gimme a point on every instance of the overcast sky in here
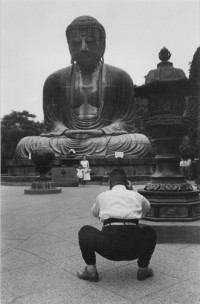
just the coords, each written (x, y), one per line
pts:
(33, 43)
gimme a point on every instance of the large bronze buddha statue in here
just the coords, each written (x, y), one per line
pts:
(88, 106)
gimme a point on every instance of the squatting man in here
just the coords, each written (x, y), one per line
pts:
(121, 238)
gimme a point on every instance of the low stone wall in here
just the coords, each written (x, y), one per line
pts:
(22, 172)
(99, 166)
(95, 179)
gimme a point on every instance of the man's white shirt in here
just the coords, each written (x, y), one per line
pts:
(120, 203)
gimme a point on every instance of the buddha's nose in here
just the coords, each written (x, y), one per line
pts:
(84, 46)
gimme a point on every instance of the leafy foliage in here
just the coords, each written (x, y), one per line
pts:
(188, 147)
(195, 69)
(195, 81)
(190, 143)
(15, 126)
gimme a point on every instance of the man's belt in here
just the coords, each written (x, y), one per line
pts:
(113, 221)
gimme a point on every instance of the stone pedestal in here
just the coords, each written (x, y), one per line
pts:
(171, 205)
(64, 176)
(42, 187)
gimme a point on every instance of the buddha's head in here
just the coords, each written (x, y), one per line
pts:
(86, 38)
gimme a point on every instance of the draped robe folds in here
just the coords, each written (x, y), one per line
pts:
(115, 116)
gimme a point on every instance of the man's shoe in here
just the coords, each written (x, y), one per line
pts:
(143, 274)
(88, 276)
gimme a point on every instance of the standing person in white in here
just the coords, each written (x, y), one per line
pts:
(86, 168)
(182, 166)
(121, 238)
(80, 175)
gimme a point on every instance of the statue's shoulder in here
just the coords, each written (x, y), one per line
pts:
(59, 75)
(117, 73)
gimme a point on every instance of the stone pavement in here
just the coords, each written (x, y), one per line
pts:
(40, 256)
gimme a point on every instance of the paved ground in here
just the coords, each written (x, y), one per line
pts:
(40, 256)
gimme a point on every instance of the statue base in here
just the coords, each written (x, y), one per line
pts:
(22, 172)
(175, 232)
(42, 187)
(172, 205)
(64, 176)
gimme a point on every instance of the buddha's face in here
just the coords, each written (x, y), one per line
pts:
(86, 47)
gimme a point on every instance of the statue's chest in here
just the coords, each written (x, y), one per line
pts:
(85, 95)
(85, 90)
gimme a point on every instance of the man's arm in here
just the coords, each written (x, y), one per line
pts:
(96, 209)
(145, 206)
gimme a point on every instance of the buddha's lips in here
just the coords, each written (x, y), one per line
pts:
(84, 58)
(86, 55)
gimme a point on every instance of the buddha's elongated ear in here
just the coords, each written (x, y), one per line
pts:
(102, 60)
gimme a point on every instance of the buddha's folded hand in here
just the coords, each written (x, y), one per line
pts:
(78, 134)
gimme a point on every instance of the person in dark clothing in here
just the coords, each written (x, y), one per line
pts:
(121, 238)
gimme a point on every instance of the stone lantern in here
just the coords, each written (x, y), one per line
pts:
(171, 197)
(43, 158)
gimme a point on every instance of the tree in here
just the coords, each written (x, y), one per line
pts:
(15, 126)
(195, 82)
(189, 147)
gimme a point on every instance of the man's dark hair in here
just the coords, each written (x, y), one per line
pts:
(118, 177)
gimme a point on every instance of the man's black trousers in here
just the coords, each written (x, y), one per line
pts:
(118, 243)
